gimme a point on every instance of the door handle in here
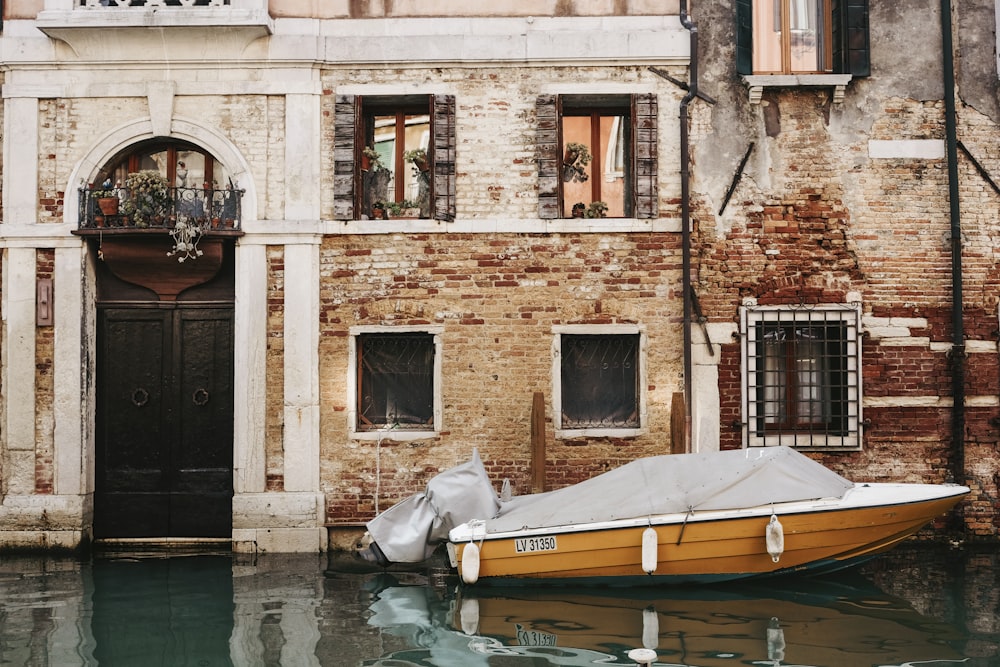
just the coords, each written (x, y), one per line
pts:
(199, 397)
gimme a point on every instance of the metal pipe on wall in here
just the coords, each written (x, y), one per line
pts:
(686, 215)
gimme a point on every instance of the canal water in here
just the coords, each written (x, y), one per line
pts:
(917, 606)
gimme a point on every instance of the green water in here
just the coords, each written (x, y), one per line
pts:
(917, 606)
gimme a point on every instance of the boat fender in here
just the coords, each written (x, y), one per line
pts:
(775, 537)
(650, 628)
(470, 563)
(650, 545)
(469, 615)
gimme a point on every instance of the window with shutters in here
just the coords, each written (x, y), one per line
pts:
(396, 380)
(792, 43)
(597, 156)
(802, 368)
(803, 37)
(598, 379)
(394, 157)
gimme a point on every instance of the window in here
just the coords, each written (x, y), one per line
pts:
(802, 37)
(599, 380)
(395, 150)
(595, 148)
(802, 374)
(395, 378)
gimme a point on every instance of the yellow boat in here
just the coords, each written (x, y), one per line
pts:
(688, 518)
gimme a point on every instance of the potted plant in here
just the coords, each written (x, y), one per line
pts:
(107, 198)
(370, 159)
(148, 196)
(579, 210)
(378, 210)
(575, 160)
(418, 158)
(597, 209)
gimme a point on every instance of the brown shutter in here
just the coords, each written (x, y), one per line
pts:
(547, 140)
(644, 113)
(443, 156)
(346, 115)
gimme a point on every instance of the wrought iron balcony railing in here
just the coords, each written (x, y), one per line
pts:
(213, 211)
(153, 3)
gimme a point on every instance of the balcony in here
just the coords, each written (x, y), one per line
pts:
(214, 212)
(221, 26)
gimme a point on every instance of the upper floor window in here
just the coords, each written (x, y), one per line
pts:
(395, 156)
(597, 156)
(396, 380)
(802, 376)
(598, 378)
(802, 37)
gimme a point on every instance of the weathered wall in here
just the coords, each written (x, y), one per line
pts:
(497, 297)
(816, 217)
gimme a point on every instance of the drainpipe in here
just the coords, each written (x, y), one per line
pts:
(686, 216)
(957, 328)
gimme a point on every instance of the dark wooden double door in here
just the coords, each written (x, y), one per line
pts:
(164, 464)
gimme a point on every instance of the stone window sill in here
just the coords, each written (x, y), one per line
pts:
(758, 82)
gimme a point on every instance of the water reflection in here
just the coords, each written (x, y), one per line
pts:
(910, 608)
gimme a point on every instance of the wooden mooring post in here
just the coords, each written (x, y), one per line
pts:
(538, 443)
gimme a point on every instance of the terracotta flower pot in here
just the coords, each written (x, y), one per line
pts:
(108, 205)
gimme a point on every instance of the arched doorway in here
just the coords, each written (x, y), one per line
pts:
(164, 365)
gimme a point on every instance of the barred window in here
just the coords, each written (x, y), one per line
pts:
(395, 381)
(599, 381)
(802, 377)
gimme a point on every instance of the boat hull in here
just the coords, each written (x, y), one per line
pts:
(713, 546)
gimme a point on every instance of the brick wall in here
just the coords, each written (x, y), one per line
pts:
(497, 297)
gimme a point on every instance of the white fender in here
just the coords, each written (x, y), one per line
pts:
(469, 614)
(650, 547)
(775, 538)
(650, 628)
(470, 563)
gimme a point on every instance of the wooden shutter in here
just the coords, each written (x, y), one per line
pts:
(744, 37)
(345, 124)
(443, 156)
(645, 169)
(547, 140)
(851, 48)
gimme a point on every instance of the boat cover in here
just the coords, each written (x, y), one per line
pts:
(677, 483)
(409, 531)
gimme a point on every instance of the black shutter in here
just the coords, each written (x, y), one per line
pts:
(547, 140)
(744, 37)
(443, 156)
(346, 114)
(856, 47)
(644, 176)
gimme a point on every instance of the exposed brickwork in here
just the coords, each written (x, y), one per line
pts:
(44, 387)
(497, 297)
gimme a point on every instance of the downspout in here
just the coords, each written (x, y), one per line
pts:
(686, 216)
(957, 328)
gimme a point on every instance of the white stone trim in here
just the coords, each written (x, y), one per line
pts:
(17, 305)
(20, 157)
(249, 382)
(436, 331)
(598, 329)
(301, 376)
(906, 149)
(69, 440)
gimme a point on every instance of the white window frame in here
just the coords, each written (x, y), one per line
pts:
(352, 385)
(597, 329)
(848, 314)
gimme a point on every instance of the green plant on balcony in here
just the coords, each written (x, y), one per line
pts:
(106, 198)
(148, 197)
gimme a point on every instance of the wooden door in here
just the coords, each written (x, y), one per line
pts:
(164, 426)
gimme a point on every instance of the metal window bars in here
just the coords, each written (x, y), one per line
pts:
(153, 3)
(802, 377)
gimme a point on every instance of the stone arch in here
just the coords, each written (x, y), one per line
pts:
(133, 132)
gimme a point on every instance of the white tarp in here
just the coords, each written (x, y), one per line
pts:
(409, 531)
(677, 483)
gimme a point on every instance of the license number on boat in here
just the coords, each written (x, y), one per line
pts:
(525, 545)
